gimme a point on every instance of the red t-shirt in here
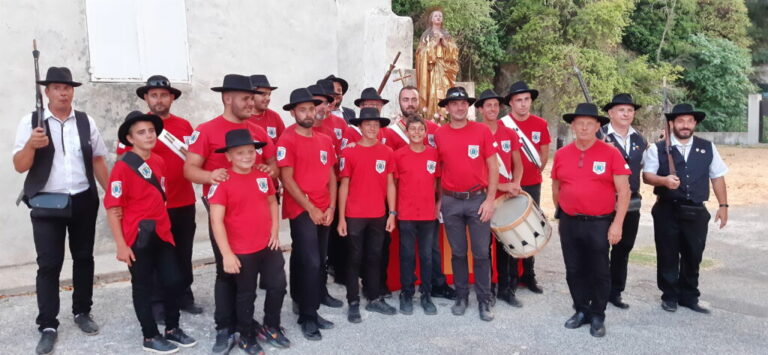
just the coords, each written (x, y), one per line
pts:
(179, 191)
(312, 159)
(139, 199)
(210, 136)
(507, 142)
(462, 155)
(353, 135)
(588, 189)
(247, 217)
(535, 128)
(416, 174)
(271, 122)
(395, 141)
(367, 169)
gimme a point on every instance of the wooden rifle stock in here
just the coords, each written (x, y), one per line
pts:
(389, 72)
(667, 129)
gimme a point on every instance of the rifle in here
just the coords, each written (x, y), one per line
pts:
(583, 84)
(38, 94)
(667, 130)
(389, 72)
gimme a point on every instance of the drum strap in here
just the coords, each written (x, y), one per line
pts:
(528, 148)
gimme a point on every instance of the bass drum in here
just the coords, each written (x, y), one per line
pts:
(520, 226)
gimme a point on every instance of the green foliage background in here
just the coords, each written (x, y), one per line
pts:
(706, 55)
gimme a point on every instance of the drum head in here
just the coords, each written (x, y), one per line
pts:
(509, 211)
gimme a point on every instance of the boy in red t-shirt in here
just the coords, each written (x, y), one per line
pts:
(142, 230)
(366, 184)
(418, 176)
(244, 219)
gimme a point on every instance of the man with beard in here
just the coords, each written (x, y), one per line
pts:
(262, 114)
(679, 215)
(204, 166)
(340, 87)
(325, 122)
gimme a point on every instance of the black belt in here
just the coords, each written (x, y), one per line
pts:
(464, 195)
(680, 202)
(588, 218)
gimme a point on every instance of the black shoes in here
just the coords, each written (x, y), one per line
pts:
(406, 304)
(444, 291)
(323, 323)
(159, 345)
(249, 344)
(47, 341)
(508, 295)
(192, 308)
(533, 286)
(178, 337)
(380, 306)
(86, 324)
(485, 311)
(353, 314)
(460, 306)
(311, 331)
(695, 307)
(597, 328)
(332, 302)
(669, 306)
(427, 305)
(224, 342)
(618, 302)
(295, 307)
(577, 320)
(274, 336)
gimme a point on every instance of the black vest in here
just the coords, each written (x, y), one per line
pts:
(634, 157)
(38, 174)
(693, 174)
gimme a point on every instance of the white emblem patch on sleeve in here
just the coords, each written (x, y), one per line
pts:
(338, 132)
(193, 137)
(263, 185)
(341, 163)
(116, 189)
(280, 153)
(212, 190)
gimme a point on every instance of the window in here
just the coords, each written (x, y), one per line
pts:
(132, 40)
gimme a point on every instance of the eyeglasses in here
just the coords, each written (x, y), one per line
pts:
(158, 83)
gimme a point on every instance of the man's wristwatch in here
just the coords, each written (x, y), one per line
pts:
(393, 213)
(724, 205)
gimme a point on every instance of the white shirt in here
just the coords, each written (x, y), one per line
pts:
(651, 158)
(623, 141)
(68, 170)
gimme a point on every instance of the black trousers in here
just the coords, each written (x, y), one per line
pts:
(269, 265)
(309, 250)
(620, 253)
(49, 235)
(680, 243)
(337, 252)
(224, 289)
(585, 251)
(385, 262)
(183, 229)
(438, 277)
(366, 240)
(157, 260)
(528, 273)
(411, 233)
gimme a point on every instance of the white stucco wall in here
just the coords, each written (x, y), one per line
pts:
(294, 42)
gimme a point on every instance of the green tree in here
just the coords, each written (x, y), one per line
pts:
(758, 14)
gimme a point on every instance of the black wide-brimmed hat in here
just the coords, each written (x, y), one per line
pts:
(237, 138)
(60, 75)
(486, 95)
(621, 99)
(318, 90)
(158, 82)
(137, 116)
(260, 81)
(327, 85)
(335, 79)
(685, 109)
(235, 82)
(298, 96)
(586, 110)
(519, 88)
(454, 94)
(369, 114)
(370, 94)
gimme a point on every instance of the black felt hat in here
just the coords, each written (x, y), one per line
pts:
(586, 110)
(335, 79)
(60, 75)
(318, 90)
(454, 94)
(488, 94)
(621, 99)
(259, 81)
(158, 82)
(239, 137)
(369, 114)
(519, 88)
(685, 109)
(370, 94)
(298, 96)
(137, 116)
(235, 82)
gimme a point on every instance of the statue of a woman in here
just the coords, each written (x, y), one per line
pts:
(437, 63)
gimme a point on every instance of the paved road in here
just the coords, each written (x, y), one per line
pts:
(734, 287)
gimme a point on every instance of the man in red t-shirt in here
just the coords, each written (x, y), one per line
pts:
(367, 188)
(306, 161)
(160, 96)
(470, 175)
(587, 177)
(262, 114)
(245, 222)
(205, 166)
(510, 174)
(534, 145)
(139, 223)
